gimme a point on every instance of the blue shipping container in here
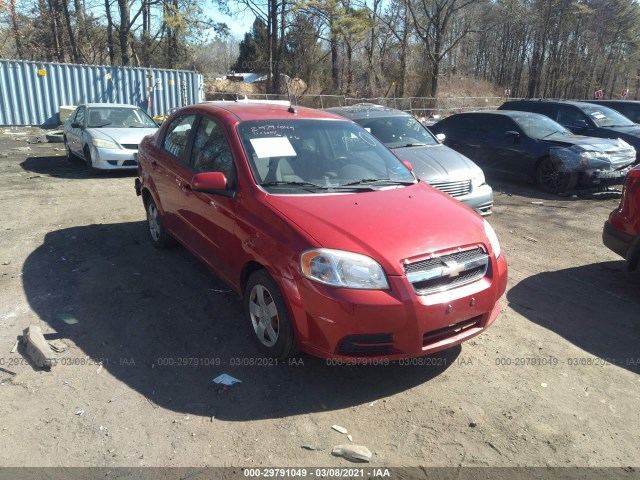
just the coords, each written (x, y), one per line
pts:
(31, 93)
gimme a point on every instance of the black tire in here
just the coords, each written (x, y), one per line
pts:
(71, 157)
(87, 158)
(552, 180)
(268, 317)
(155, 226)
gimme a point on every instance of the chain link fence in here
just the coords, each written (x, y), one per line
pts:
(418, 106)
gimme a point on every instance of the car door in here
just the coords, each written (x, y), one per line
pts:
(210, 217)
(575, 120)
(170, 169)
(465, 135)
(74, 134)
(502, 145)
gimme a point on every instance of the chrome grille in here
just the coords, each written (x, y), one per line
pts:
(455, 189)
(447, 271)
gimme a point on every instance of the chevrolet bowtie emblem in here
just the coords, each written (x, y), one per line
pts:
(453, 268)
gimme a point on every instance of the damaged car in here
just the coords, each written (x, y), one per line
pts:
(105, 136)
(532, 147)
(334, 246)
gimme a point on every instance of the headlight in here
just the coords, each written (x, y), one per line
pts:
(493, 238)
(100, 143)
(478, 179)
(343, 269)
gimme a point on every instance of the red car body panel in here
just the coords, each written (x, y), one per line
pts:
(235, 234)
(622, 230)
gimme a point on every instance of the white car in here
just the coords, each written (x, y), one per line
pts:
(106, 135)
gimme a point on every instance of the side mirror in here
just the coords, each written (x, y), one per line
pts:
(441, 137)
(512, 134)
(209, 182)
(76, 125)
(581, 124)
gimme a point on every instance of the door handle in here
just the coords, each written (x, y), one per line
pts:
(185, 187)
(154, 164)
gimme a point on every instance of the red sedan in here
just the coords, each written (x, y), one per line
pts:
(335, 247)
(622, 231)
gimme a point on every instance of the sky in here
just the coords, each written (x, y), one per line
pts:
(238, 24)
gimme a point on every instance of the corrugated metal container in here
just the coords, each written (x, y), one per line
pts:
(32, 93)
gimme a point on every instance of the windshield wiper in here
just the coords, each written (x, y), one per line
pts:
(369, 181)
(100, 126)
(299, 184)
(554, 132)
(411, 145)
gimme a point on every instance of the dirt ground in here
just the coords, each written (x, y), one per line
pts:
(554, 382)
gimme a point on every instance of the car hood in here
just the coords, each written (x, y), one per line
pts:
(594, 144)
(121, 135)
(388, 225)
(631, 130)
(438, 162)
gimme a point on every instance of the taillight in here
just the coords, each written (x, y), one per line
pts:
(632, 180)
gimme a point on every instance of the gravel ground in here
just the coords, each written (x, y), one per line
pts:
(554, 382)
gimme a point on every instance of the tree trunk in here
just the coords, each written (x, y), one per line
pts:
(72, 37)
(110, 42)
(123, 31)
(15, 30)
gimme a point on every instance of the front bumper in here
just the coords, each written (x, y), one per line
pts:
(480, 199)
(608, 174)
(114, 159)
(392, 324)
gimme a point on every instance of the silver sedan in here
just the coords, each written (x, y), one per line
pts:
(106, 135)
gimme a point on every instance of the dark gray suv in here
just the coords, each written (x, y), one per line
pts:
(583, 118)
(433, 162)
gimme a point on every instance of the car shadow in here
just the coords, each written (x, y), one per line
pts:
(164, 325)
(595, 307)
(60, 167)
(501, 186)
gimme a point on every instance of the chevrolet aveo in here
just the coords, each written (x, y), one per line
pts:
(334, 246)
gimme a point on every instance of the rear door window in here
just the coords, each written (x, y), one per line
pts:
(79, 118)
(177, 137)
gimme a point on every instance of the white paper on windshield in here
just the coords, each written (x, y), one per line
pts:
(598, 115)
(273, 147)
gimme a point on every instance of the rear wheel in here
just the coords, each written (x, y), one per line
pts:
(70, 155)
(159, 236)
(268, 316)
(550, 179)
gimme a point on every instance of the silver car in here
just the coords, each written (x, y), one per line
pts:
(433, 162)
(106, 135)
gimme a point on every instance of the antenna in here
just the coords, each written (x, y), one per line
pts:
(290, 109)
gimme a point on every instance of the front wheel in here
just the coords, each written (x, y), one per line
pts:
(267, 314)
(551, 179)
(91, 170)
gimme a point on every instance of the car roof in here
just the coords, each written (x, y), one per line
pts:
(245, 111)
(576, 103)
(366, 110)
(634, 102)
(95, 105)
(504, 113)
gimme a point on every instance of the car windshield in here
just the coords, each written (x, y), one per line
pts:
(398, 132)
(539, 126)
(606, 117)
(315, 156)
(119, 117)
